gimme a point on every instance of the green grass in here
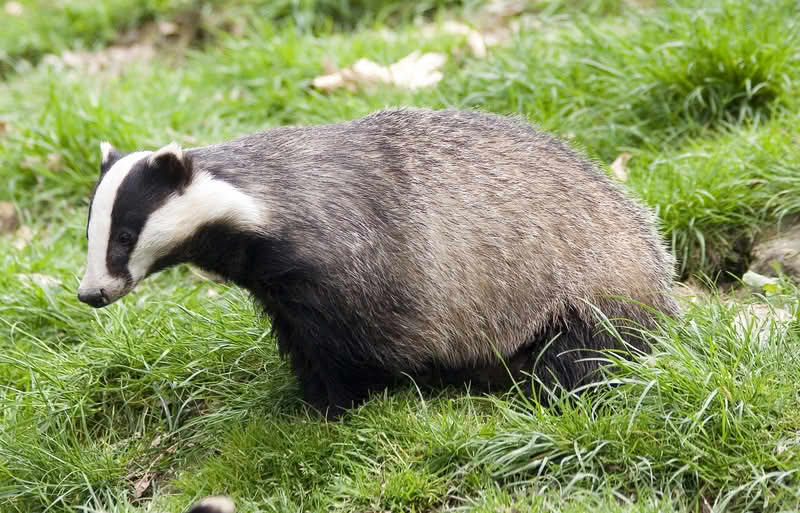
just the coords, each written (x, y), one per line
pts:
(179, 384)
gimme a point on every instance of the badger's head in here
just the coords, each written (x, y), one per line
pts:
(145, 207)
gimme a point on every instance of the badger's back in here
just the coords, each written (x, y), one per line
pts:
(433, 239)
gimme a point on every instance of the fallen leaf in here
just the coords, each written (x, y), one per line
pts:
(3, 126)
(475, 39)
(142, 484)
(415, 70)
(411, 72)
(14, 8)
(327, 83)
(618, 166)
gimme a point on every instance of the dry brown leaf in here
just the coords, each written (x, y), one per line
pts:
(3, 126)
(415, 70)
(618, 167)
(14, 8)
(142, 484)
(411, 72)
(475, 40)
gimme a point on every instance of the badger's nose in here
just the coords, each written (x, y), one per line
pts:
(93, 297)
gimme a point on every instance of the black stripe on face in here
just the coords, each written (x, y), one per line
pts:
(143, 191)
(105, 165)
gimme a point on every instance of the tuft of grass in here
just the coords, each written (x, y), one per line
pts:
(704, 415)
(713, 196)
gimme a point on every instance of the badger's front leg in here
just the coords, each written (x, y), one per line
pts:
(326, 388)
(328, 382)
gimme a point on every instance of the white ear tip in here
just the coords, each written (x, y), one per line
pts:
(215, 504)
(173, 148)
(105, 149)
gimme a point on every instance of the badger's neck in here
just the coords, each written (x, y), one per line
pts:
(224, 250)
(214, 225)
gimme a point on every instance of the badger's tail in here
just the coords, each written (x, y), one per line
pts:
(215, 504)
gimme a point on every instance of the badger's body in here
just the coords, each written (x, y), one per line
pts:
(407, 243)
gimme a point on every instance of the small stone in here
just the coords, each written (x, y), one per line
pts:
(779, 253)
(763, 323)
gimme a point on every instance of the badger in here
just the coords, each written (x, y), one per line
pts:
(442, 245)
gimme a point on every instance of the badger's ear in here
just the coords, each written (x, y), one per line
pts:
(108, 155)
(173, 165)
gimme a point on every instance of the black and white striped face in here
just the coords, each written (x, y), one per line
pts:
(145, 206)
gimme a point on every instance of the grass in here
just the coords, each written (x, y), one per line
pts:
(179, 387)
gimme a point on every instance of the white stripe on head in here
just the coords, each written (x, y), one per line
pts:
(205, 200)
(105, 150)
(97, 275)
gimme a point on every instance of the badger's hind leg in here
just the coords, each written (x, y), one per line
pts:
(563, 357)
(570, 354)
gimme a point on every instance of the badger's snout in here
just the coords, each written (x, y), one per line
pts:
(102, 291)
(93, 297)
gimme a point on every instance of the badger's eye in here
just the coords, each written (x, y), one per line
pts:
(125, 238)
